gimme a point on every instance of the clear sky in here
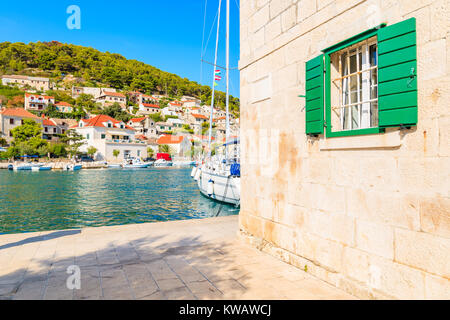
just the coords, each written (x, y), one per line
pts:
(165, 34)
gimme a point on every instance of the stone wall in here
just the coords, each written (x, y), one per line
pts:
(369, 214)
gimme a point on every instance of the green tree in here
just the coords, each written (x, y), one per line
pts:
(58, 150)
(74, 142)
(116, 153)
(91, 151)
(29, 129)
(150, 152)
(164, 148)
(3, 142)
(115, 111)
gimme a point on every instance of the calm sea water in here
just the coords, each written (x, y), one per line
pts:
(37, 201)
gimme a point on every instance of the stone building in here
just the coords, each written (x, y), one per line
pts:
(11, 118)
(38, 83)
(349, 178)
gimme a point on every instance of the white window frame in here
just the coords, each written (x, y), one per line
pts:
(363, 94)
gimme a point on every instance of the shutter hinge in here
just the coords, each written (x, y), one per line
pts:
(412, 76)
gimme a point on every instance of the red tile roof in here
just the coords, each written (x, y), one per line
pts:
(113, 94)
(199, 116)
(149, 105)
(48, 122)
(38, 95)
(170, 139)
(18, 112)
(137, 119)
(100, 119)
(63, 104)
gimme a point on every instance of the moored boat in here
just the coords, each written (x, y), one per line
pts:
(219, 176)
(44, 167)
(134, 163)
(162, 163)
(72, 167)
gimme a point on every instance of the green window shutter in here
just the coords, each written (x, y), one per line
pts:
(314, 96)
(397, 77)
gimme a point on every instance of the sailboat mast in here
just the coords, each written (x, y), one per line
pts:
(214, 81)
(227, 134)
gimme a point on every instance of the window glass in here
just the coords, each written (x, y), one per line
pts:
(354, 87)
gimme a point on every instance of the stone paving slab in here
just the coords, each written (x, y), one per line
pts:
(193, 259)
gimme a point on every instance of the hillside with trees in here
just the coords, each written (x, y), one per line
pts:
(68, 65)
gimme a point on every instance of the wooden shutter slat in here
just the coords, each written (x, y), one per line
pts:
(400, 100)
(314, 96)
(397, 71)
(397, 56)
(397, 86)
(406, 40)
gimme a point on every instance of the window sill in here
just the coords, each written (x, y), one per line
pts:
(374, 141)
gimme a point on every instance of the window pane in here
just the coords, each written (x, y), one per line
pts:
(353, 66)
(355, 117)
(344, 64)
(374, 114)
(346, 120)
(360, 60)
(373, 55)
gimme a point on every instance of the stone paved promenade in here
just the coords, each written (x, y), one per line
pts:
(195, 259)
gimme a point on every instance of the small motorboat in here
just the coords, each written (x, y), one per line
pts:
(25, 166)
(134, 163)
(72, 167)
(44, 167)
(183, 163)
(114, 166)
(161, 163)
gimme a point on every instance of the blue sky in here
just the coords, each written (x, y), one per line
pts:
(165, 34)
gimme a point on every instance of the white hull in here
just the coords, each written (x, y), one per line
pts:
(43, 168)
(225, 189)
(75, 167)
(135, 166)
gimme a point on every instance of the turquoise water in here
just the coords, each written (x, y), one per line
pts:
(38, 201)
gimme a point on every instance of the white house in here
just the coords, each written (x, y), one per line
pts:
(148, 108)
(37, 102)
(106, 135)
(179, 144)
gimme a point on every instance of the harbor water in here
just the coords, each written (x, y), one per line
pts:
(56, 200)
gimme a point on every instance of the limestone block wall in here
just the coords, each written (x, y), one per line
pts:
(369, 214)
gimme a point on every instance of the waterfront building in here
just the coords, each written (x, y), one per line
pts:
(64, 124)
(106, 135)
(50, 130)
(180, 145)
(38, 102)
(38, 83)
(11, 118)
(345, 141)
(64, 107)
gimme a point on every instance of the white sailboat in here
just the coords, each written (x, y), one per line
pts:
(219, 177)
